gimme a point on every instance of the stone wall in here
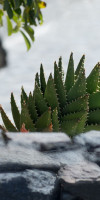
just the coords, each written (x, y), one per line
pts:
(50, 166)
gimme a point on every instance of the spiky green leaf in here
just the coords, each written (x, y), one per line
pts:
(60, 89)
(60, 68)
(37, 80)
(8, 124)
(80, 66)
(91, 127)
(94, 100)
(69, 81)
(93, 79)
(26, 119)
(69, 127)
(15, 112)
(79, 88)
(72, 116)
(44, 121)
(50, 94)
(79, 104)
(94, 117)
(40, 102)
(74, 126)
(81, 123)
(55, 121)
(42, 79)
(24, 97)
(32, 108)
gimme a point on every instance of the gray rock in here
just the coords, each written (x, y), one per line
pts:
(53, 152)
(3, 55)
(91, 138)
(30, 185)
(66, 196)
(90, 141)
(81, 181)
(22, 151)
(41, 141)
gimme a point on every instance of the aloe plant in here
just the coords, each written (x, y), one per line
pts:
(70, 104)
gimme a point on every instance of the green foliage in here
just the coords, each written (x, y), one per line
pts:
(80, 66)
(55, 121)
(42, 79)
(21, 16)
(93, 79)
(71, 106)
(25, 118)
(15, 112)
(50, 94)
(44, 121)
(60, 89)
(79, 87)
(69, 81)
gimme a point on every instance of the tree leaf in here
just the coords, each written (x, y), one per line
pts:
(17, 3)
(1, 15)
(28, 44)
(9, 26)
(30, 32)
(8, 8)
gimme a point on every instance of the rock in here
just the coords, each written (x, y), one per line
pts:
(3, 56)
(29, 185)
(65, 196)
(81, 181)
(91, 138)
(24, 151)
(41, 141)
(58, 159)
(90, 141)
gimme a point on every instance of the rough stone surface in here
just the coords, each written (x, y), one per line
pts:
(3, 55)
(41, 142)
(20, 152)
(90, 141)
(68, 168)
(81, 181)
(30, 184)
